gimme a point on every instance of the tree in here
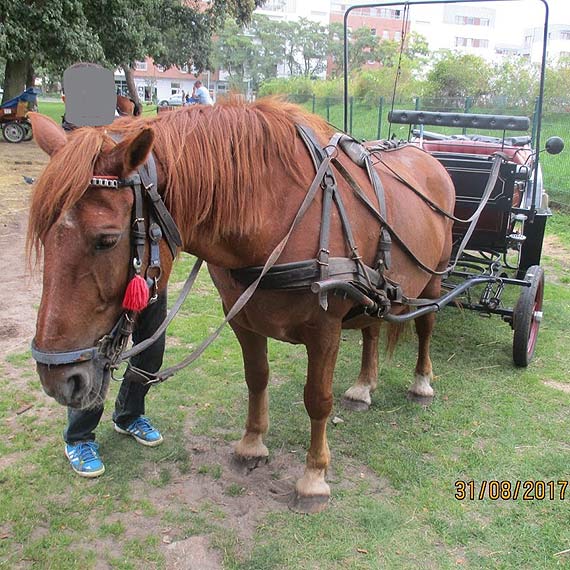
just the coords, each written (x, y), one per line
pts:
(457, 75)
(172, 32)
(35, 32)
(233, 52)
(516, 79)
(363, 47)
(111, 32)
(387, 53)
(557, 86)
(336, 49)
(313, 45)
(269, 49)
(416, 47)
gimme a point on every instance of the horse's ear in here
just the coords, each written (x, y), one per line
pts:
(138, 150)
(49, 136)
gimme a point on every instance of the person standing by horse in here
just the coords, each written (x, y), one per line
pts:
(90, 101)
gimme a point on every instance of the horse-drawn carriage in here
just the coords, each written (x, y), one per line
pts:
(510, 212)
(501, 206)
(13, 121)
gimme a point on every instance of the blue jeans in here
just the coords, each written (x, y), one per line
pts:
(129, 404)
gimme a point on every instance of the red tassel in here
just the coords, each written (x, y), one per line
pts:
(136, 295)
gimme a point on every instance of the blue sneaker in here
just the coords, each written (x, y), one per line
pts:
(84, 458)
(143, 431)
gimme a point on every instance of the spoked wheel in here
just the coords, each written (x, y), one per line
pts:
(527, 316)
(28, 128)
(13, 132)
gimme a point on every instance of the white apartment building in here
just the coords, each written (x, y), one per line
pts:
(558, 42)
(293, 10)
(468, 28)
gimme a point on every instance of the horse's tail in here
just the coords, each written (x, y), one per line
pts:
(393, 335)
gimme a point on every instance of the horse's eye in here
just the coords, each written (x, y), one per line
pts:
(106, 241)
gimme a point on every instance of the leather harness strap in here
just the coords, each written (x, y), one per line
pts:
(352, 272)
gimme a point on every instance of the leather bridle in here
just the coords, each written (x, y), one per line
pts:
(157, 225)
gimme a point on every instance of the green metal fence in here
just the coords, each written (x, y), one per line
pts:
(368, 120)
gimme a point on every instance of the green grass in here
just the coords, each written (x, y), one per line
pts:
(56, 109)
(393, 472)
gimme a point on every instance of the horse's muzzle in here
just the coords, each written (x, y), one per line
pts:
(81, 385)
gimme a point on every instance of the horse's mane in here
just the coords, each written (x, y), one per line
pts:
(224, 154)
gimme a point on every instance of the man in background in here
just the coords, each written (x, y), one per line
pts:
(200, 94)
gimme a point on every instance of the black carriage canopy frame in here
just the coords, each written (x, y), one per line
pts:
(406, 6)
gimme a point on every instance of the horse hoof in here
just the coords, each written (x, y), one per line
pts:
(421, 400)
(308, 505)
(354, 405)
(246, 465)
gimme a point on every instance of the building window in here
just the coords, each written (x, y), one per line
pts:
(398, 36)
(140, 65)
(373, 31)
(175, 88)
(385, 35)
(471, 42)
(565, 35)
(389, 13)
(275, 5)
(472, 21)
(159, 68)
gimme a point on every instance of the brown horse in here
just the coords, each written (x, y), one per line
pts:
(127, 107)
(233, 177)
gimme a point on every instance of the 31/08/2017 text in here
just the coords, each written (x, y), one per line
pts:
(510, 490)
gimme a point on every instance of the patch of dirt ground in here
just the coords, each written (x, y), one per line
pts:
(228, 494)
(20, 291)
(558, 256)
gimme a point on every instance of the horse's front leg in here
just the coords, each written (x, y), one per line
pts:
(250, 450)
(358, 397)
(312, 493)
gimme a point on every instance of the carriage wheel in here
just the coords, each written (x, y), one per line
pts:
(13, 132)
(527, 316)
(28, 129)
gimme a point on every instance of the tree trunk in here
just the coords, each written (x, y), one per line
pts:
(30, 76)
(130, 79)
(15, 78)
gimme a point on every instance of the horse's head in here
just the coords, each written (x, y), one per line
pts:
(85, 234)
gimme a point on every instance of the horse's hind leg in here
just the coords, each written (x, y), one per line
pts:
(421, 391)
(312, 493)
(250, 450)
(357, 397)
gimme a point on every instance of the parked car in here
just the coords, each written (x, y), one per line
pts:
(173, 101)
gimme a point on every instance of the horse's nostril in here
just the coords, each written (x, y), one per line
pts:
(76, 386)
